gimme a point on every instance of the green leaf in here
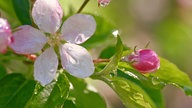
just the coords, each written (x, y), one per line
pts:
(108, 52)
(69, 104)
(132, 95)
(3, 71)
(112, 65)
(82, 96)
(170, 74)
(15, 91)
(22, 9)
(51, 96)
(153, 92)
(8, 11)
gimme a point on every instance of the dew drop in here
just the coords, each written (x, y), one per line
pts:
(35, 92)
(115, 33)
(138, 96)
(73, 60)
(80, 38)
(156, 81)
(52, 71)
(69, 48)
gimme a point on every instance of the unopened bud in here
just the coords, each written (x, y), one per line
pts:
(144, 60)
(5, 35)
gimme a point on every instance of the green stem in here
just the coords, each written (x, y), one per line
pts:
(82, 6)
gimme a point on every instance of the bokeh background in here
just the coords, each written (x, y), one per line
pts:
(167, 24)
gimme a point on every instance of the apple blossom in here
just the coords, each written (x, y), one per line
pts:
(5, 35)
(76, 60)
(144, 60)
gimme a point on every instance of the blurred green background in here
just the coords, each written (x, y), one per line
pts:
(167, 24)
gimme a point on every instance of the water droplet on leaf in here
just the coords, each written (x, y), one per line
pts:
(138, 96)
(156, 81)
(115, 33)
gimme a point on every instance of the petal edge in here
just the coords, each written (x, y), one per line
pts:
(78, 28)
(28, 40)
(76, 60)
(45, 67)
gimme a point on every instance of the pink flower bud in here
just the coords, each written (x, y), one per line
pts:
(103, 3)
(144, 60)
(5, 35)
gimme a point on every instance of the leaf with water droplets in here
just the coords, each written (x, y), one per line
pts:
(153, 91)
(131, 94)
(52, 95)
(170, 74)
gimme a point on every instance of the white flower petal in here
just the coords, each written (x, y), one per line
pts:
(76, 60)
(78, 28)
(47, 14)
(28, 40)
(45, 66)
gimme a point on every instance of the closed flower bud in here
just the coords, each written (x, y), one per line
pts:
(144, 60)
(5, 35)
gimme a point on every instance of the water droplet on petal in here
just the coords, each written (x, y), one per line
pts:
(52, 71)
(80, 39)
(73, 60)
(69, 48)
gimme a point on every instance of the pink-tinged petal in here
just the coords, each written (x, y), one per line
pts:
(46, 66)
(76, 60)
(28, 40)
(78, 28)
(5, 35)
(47, 14)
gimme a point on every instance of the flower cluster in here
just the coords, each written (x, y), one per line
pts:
(47, 15)
(5, 35)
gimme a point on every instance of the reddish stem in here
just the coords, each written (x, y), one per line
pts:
(101, 60)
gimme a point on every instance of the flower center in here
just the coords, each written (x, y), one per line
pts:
(54, 39)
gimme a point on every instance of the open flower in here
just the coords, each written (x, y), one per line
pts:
(47, 14)
(5, 35)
